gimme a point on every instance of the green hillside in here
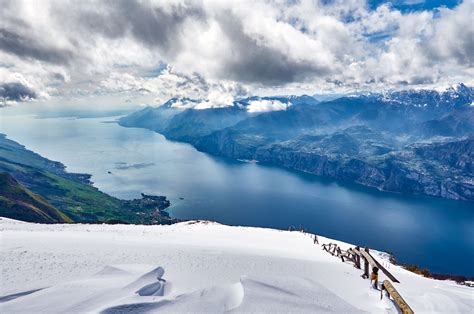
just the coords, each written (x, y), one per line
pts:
(18, 202)
(72, 193)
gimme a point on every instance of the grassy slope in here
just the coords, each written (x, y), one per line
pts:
(16, 201)
(67, 192)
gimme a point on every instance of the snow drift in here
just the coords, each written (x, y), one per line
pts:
(194, 267)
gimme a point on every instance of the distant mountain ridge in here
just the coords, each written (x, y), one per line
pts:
(455, 96)
(178, 122)
(391, 141)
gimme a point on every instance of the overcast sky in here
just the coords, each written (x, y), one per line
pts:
(148, 51)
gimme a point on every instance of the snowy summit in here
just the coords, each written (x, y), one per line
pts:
(196, 267)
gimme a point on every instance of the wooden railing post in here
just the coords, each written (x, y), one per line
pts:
(366, 268)
(366, 265)
(356, 256)
(357, 261)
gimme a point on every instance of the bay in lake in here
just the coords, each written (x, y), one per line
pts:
(433, 233)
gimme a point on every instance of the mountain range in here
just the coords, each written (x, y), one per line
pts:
(412, 141)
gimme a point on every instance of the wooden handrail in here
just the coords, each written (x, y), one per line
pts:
(354, 254)
(384, 270)
(401, 303)
(369, 258)
(373, 262)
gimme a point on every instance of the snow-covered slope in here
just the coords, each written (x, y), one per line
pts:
(203, 266)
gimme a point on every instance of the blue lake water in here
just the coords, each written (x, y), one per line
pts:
(433, 233)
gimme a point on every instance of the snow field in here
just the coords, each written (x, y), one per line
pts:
(204, 267)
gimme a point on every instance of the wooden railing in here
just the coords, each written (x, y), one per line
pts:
(355, 255)
(374, 263)
(331, 248)
(401, 303)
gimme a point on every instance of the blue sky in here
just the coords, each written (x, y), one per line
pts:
(415, 5)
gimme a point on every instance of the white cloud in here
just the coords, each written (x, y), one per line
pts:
(170, 83)
(453, 35)
(217, 99)
(220, 50)
(265, 105)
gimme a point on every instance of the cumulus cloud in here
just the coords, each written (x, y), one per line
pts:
(453, 35)
(14, 87)
(156, 25)
(216, 51)
(16, 92)
(428, 47)
(171, 83)
(23, 46)
(266, 51)
(265, 105)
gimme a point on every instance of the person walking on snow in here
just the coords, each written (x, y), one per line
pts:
(374, 276)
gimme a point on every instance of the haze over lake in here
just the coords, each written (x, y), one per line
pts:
(434, 233)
